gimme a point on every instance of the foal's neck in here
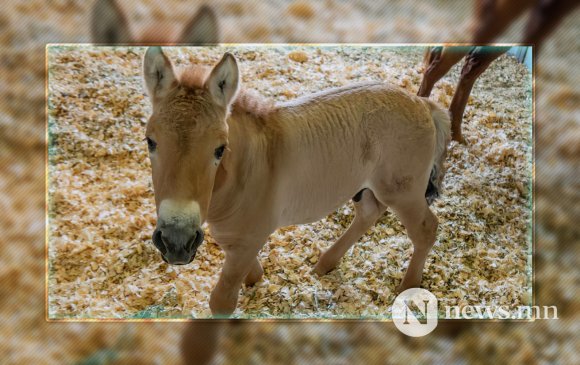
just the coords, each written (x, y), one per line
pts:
(247, 168)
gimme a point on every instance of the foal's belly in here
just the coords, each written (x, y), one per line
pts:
(289, 216)
(311, 202)
(319, 174)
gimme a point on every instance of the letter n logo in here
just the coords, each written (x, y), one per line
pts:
(419, 314)
(415, 312)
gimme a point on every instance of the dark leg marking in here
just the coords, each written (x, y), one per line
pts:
(432, 192)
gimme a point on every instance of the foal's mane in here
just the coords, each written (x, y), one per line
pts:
(247, 101)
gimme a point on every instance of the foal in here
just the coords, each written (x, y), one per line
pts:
(248, 167)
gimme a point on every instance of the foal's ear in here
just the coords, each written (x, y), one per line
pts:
(109, 24)
(202, 29)
(223, 81)
(158, 73)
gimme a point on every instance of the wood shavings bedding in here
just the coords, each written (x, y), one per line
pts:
(103, 264)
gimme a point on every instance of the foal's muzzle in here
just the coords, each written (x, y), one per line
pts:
(178, 246)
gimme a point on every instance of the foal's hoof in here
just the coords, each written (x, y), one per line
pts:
(253, 278)
(401, 288)
(251, 281)
(322, 270)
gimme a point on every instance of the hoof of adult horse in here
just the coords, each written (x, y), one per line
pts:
(459, 139)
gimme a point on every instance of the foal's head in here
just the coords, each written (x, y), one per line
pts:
(187, 136)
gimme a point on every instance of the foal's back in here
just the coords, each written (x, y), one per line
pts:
(339, 141)
(357, 107)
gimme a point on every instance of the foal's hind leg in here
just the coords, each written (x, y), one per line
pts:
(421, 225)
(367, 211)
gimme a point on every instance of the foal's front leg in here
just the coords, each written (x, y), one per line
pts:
(255, 274)
(240, 261)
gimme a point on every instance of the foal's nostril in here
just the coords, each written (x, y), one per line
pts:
(190, 243)
(199, 237)
(159, 242)
(194, 241)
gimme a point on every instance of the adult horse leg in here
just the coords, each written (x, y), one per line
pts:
(545, 17)
(240, 260)
(438, 62)
(367, 210)
(476, 63)
(421, 225)
(493, 17)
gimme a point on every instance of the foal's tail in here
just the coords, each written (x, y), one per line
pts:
(443, 136)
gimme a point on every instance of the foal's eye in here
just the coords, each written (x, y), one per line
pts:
(219, 152)
(151, 144)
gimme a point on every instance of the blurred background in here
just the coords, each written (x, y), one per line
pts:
(28, 25)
